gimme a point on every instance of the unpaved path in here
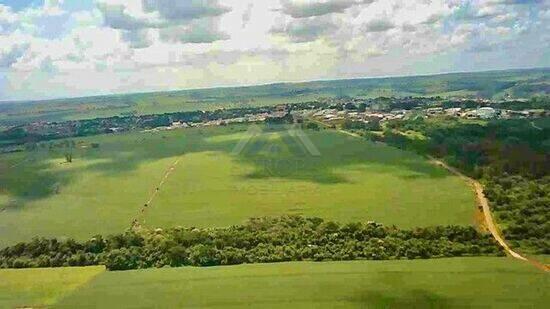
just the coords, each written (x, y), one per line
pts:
(143, 209)
(482, 200)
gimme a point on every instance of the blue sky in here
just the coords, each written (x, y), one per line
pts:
(21, 4)
(60, 48)
(72, 5)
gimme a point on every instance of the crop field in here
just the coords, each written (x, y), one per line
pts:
(440, 283)
(219, 176)
(41, 287)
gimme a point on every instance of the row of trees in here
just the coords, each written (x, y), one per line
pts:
(261, 240)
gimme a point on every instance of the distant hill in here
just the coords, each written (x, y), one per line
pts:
(490, 84)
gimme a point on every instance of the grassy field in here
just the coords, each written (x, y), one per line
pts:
(441, 283)
(103, 190)
(42, 287)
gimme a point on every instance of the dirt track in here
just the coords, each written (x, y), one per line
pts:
(484, 203)
(136, 223)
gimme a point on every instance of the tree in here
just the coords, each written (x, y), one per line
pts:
(68, 157)
(202, 255)
(312, 126)
(177, 255)
(350, 106)
(121, 259)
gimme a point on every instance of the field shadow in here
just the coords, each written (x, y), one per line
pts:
(289, 159)
(417, 298)
(30, 179)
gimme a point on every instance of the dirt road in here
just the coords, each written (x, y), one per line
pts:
(484, 203)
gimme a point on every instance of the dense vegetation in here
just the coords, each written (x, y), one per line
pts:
(511, 157)
(501, 146)
(262, 240)
(537, 102)
(523, 205)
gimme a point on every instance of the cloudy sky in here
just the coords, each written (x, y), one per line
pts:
(60, 48)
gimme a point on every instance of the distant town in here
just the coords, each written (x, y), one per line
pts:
(328, 110)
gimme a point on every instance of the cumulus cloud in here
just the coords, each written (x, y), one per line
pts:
(305, 30)
(310, 8)
(300, 9)
(247, 14)
(159, 44)
(115, 16)
(10, 54)
(195, 32)
(138, 38)
(185, 9)
(378, 25)
(188, 21)
(7, 19)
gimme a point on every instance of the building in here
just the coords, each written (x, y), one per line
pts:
(454, 111)
(434, 111)
(486, 112)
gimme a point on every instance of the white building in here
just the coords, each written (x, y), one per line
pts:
(486, 112)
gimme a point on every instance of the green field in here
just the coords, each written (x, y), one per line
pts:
(440, 283)
(103, 190)
(42, 287)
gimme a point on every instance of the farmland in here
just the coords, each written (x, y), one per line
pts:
(104, 189)
(449, 283)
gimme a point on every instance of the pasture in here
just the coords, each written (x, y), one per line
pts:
(439, 283)
(104, 189)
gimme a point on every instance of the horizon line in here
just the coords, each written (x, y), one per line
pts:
(266, 84)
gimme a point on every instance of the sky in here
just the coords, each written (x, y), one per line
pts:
(67, 48)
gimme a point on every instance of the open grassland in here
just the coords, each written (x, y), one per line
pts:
(33, 288)
(442, 283)
(104, 189)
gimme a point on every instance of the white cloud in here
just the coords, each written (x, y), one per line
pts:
(132, 45)
(379, 25)
(301, 8)
(306, 30)
(10, 52)
(185, 9)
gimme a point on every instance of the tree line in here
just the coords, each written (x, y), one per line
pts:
(259, 240)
